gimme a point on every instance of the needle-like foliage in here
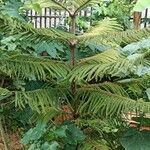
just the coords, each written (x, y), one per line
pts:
(108, 84)
(25, 66)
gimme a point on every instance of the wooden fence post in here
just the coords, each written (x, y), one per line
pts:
(137, 20)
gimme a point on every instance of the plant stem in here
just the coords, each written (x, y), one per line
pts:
(73, 60)
(72, 48)
(3, 134)
(73, 24)
(72, 42)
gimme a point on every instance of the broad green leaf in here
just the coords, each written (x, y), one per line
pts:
(60, 131)
(74, 135)
(52, 48)
(136, 140)
(50, 146)
(34, 133)
(12, 9)
(136, 46)
(53, 146)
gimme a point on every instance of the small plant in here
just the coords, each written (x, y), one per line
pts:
(73, 100)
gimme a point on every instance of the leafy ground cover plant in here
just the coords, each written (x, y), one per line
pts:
(73, 103)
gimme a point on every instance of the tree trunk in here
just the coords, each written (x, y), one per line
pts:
(72, 49)
(72, 42)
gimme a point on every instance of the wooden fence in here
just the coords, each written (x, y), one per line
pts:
(53, 18)
(145, 18)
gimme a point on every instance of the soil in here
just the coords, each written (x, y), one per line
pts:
(13, 142)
